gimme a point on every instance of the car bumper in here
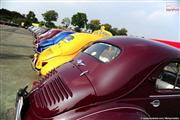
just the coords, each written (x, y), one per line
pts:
(21, 95)
(36, 49)
(34, 41)
(33, 63)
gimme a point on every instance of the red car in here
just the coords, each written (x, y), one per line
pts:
(47, 35)
(118, 78)
(172, 43)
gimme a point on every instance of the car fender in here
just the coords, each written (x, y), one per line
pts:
(117, 113)
(111, 111)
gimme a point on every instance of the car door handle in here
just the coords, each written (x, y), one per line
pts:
(155, 103)
(83, 73)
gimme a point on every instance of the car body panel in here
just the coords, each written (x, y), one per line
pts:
(40, 31)
(62, 95)
(111, 70)
(46, 43)
(102, 32)
(49, 34)
(107, 111)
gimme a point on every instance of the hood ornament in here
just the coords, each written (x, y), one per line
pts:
(80, 63)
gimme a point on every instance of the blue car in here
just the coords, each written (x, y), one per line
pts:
(52, 41)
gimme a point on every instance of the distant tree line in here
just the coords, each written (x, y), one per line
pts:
(16, 18)
(79, 21)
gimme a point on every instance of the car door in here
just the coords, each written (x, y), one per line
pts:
(164, 101)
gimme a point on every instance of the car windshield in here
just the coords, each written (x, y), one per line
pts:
(68, 38)
(103, 52)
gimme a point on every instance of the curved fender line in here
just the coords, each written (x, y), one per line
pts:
(133, 108)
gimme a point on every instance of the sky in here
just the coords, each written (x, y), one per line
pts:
(142, 18)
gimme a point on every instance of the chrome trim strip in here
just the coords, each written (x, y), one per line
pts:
(19, 108)
(33, 65)
(117, 108)
(83, 73)
(152, 96)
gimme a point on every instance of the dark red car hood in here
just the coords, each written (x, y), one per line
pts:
(61, 92)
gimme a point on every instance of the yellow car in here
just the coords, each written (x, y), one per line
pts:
(65, 50)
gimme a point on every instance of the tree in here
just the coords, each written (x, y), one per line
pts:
(107, 26)
(122, 31)
(18, 21)
(77, 29)
(79, 20)
(30, 18)
(66, 22)
(41, 23)
(116, 31)
(10, 16)
(49, 17)
(50, 25)
(94, 25)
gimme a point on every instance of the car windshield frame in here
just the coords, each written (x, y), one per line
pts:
(118, 51)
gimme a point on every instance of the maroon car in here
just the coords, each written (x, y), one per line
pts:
(47, 35)
(118, 78)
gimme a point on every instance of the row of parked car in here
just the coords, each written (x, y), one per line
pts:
(94, 76)
(57, 47)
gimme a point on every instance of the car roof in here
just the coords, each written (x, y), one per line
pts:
(137, 59)
(125, 42)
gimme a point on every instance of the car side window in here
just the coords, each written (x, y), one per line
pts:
(169, 77)
(103, 52)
